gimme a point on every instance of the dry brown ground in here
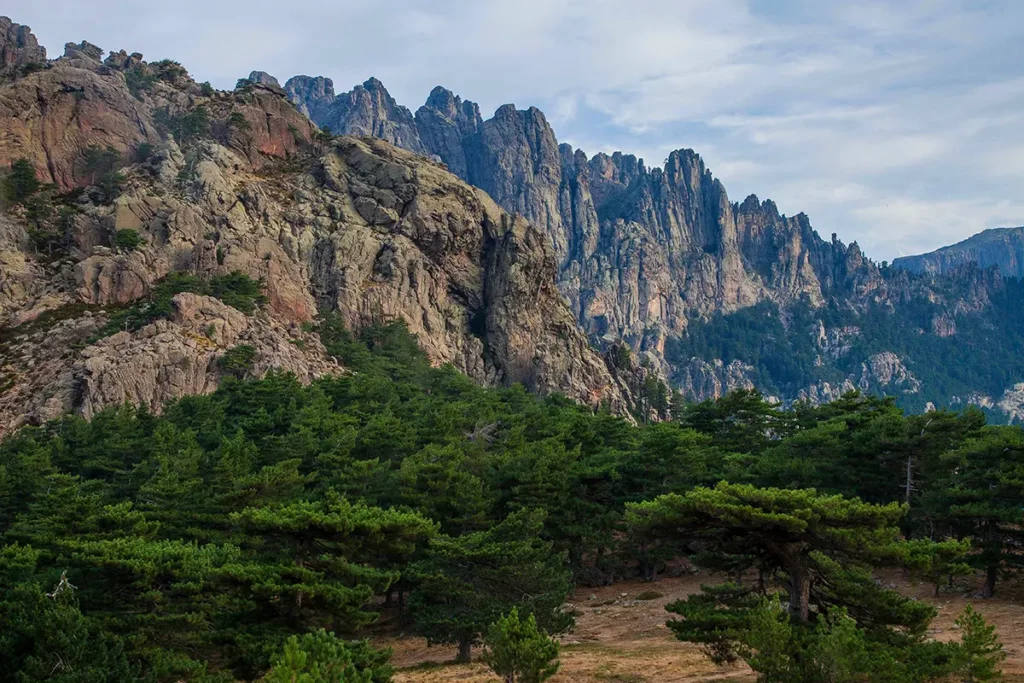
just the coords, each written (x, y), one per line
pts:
(619, 639)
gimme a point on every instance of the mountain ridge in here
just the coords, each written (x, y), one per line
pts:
(713, 294)
(646, 251)
(999, 247)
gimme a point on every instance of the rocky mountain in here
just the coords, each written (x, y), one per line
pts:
(1000, 247)
(646, 253)
(157, 180)
(507, 254)
(641, 250)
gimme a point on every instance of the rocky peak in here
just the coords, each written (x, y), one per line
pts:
(611, 175)
(123, 61)
(370, 110)
(83, 51)
(639, 250)
(448, 128)
(263, 78)
(311, 95)
(450, 106)
(18, 48)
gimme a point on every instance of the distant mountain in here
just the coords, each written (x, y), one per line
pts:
(716, 294)
(1001, 247)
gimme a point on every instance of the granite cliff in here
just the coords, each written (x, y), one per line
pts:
(206, 184)
(644, 253)
(509, 255)
(640, 250)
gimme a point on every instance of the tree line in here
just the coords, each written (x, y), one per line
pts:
(259, 531)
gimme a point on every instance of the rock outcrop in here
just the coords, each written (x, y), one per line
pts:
(886, 371)
(19, 50)
(715, 379)
(368, 109)
(263, 78)
(165, 360)
(356, 227)
(999, 247)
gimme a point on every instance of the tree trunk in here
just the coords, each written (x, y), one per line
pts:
(465, 647)
(799, 592)
(989, 589)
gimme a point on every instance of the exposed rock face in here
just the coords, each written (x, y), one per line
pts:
(18, 49)
(263, 78)
(835, 342)
(642, 251)
(165, 360)
(1000, 247)
(367, 110)
(358, 227)
(312, 96)
(713, 380)
(639, 250)
(178, 357)
(50, 117)
(1012, 403)
(373, 232)
(886, 371)
(825, 392)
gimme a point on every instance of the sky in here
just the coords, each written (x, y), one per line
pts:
(897, 124)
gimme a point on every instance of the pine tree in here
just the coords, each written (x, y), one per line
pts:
(324, 560)
(438, 483)
(20, 182)
(467, 582)
(980, 649)
(739, 422)
(779, 529)
(520, 652)
(984, 497)
(320, 657)
(716, 618)
(770, 644)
